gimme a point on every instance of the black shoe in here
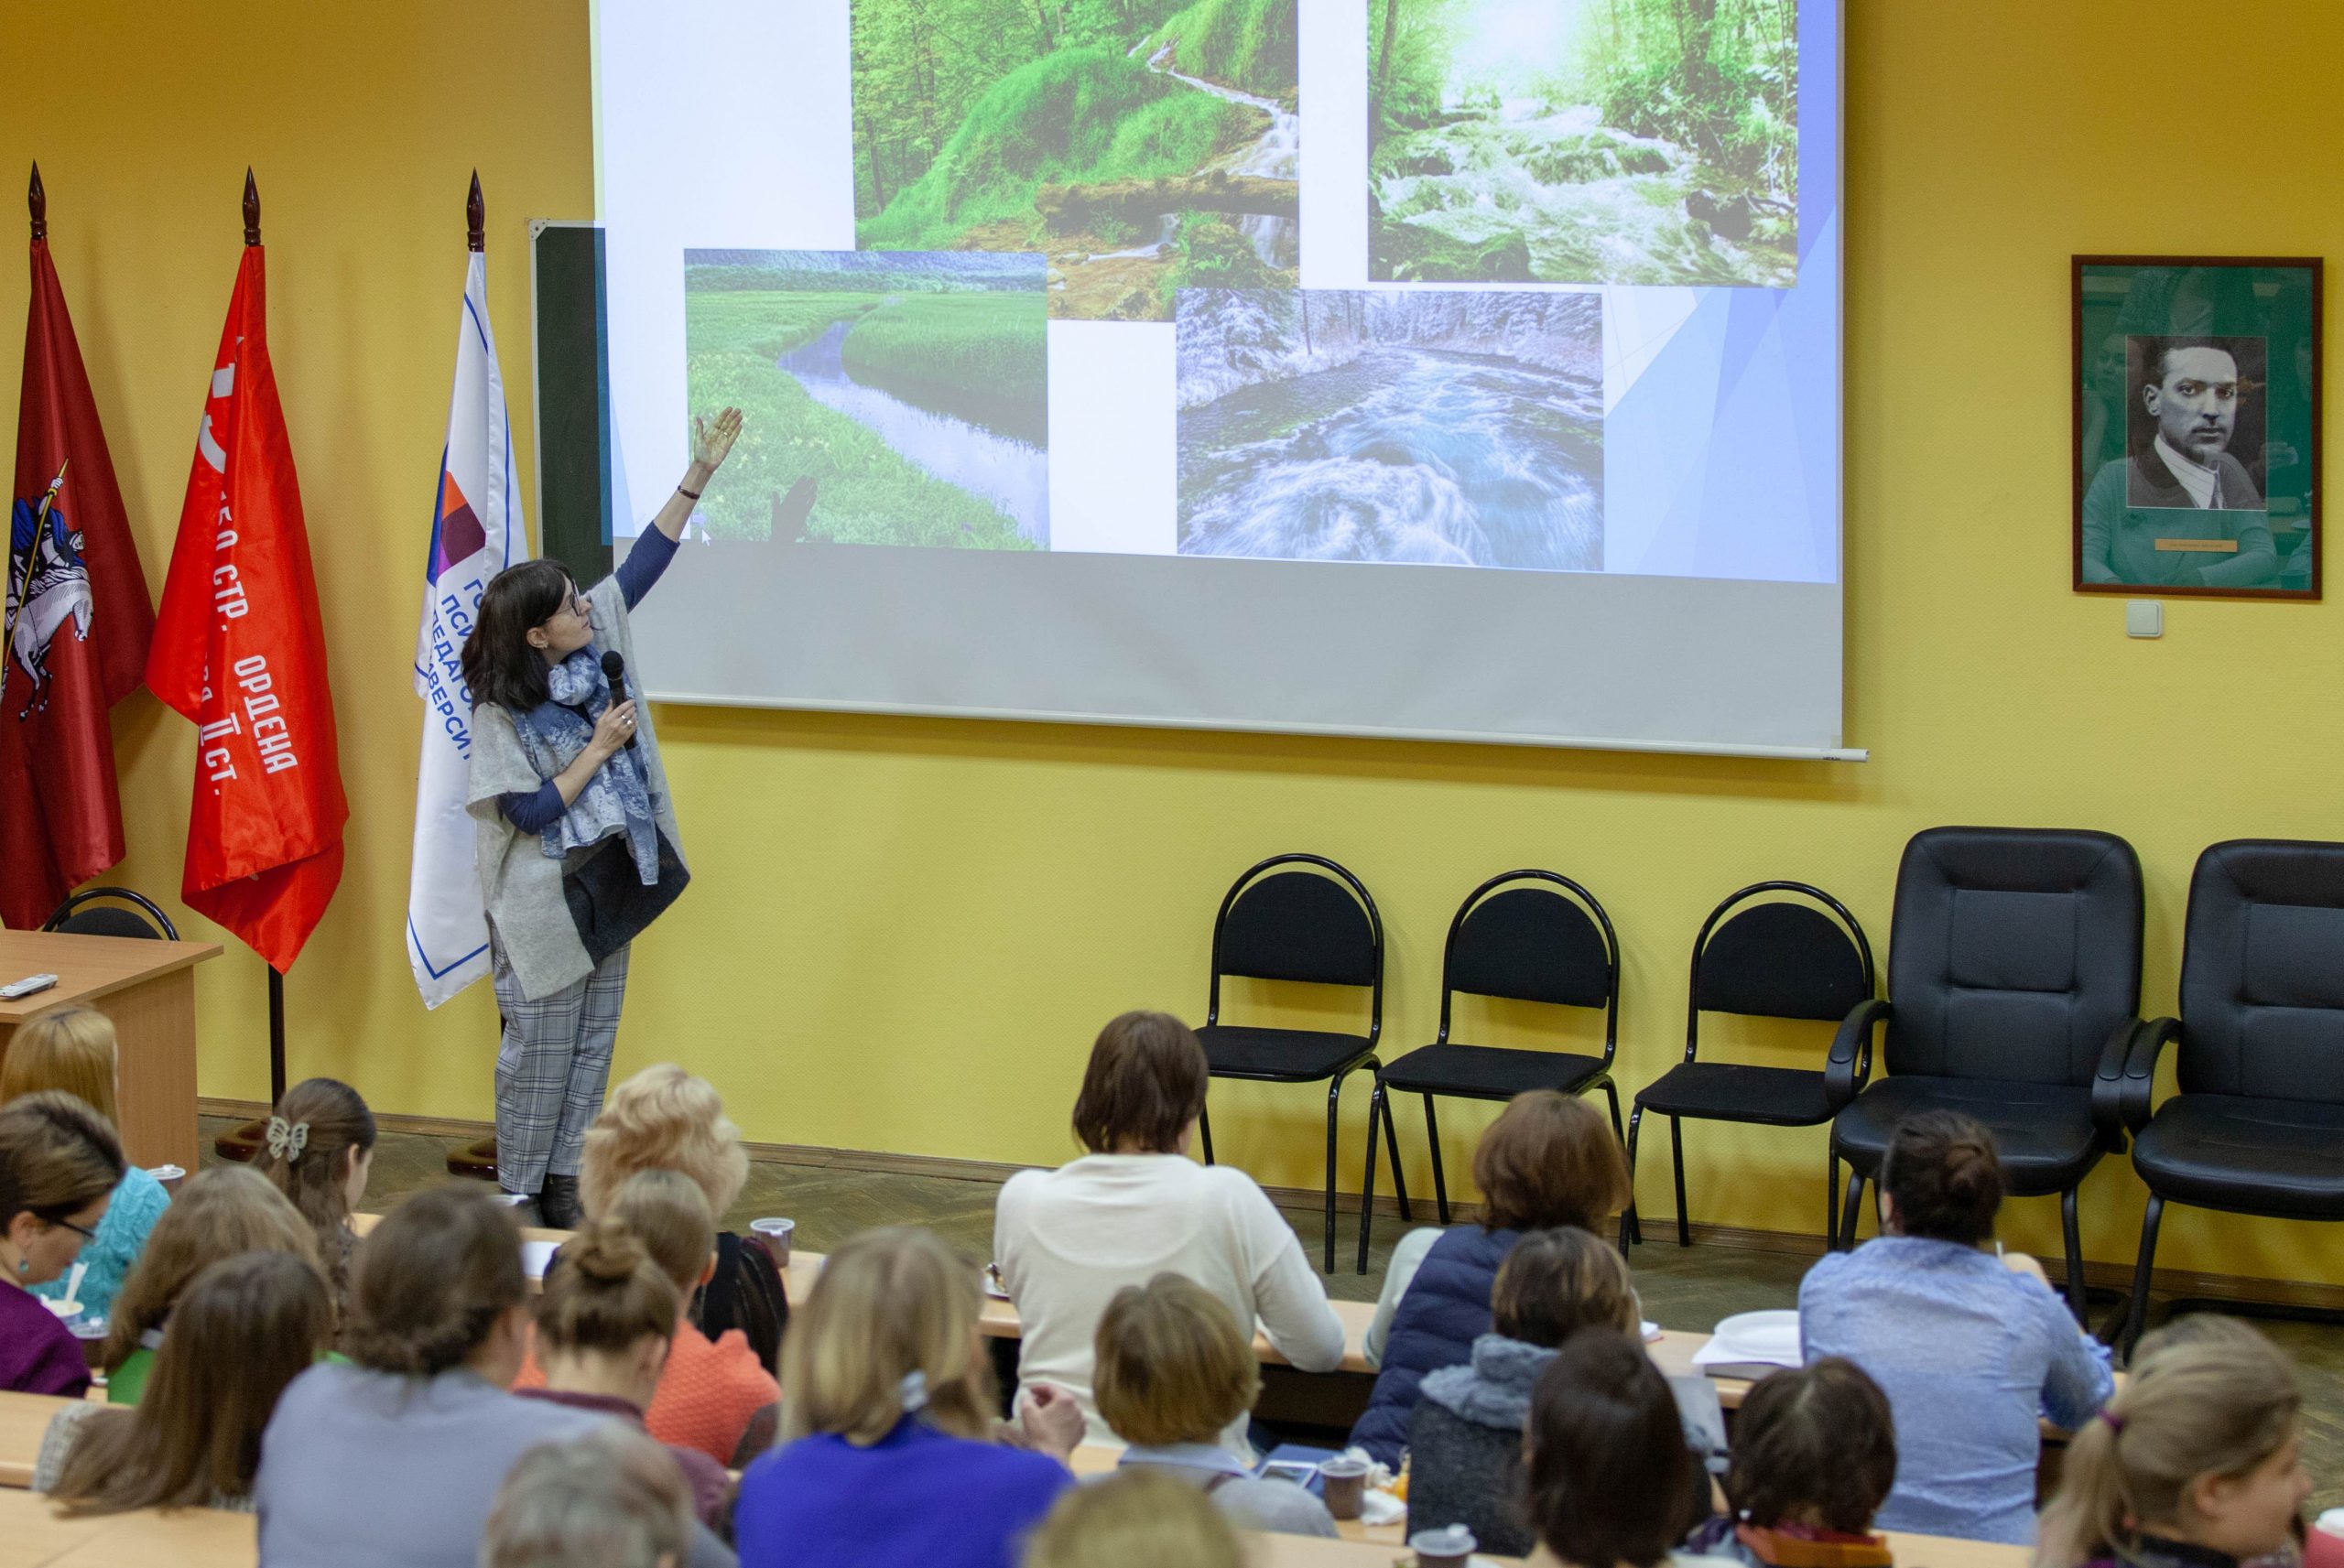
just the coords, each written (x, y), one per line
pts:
(558, 1203)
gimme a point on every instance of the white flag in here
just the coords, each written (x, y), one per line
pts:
(477, 531)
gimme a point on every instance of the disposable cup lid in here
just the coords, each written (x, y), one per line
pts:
(773, 1227)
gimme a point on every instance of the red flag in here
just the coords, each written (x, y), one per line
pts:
(76, 625)
(239, 650)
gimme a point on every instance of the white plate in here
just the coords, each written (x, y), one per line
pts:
(1768, 1336)
(993, 1282)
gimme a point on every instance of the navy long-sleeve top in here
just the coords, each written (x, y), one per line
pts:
(534, 812)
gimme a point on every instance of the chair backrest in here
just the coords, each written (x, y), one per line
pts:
(1778, 958)
(2015, 953)
(1532, 936)
(2262, 972)
(81, 915)
(1282, 922)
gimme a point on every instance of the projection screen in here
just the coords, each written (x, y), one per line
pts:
(1453, 369)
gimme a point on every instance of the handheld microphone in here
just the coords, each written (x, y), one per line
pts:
(614, 672)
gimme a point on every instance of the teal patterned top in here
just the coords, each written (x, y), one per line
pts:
(137, 1203)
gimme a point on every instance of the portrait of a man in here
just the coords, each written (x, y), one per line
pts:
(2189, 389)
(2181, 508)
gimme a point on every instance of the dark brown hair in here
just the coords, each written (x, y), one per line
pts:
(1549, 1159)
(1813, 1446)
(1555, 1283)
(1941, 1172)
(330, 1120)
(432, 1279)
(1144, 1084)
(1604, 1461)
(243, 1329)
(499, 666)
(1170, 1364)
(605, 1292)
(57, 1157)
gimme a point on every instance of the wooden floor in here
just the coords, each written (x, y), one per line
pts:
(1681, 1287)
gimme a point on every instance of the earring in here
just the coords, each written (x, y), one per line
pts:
(24, 1265)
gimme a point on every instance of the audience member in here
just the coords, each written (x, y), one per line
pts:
(1814, 1457)
(1608, 1477)
(59, 1164)
(1136, 1205)
(1465, 1441)
(227, 1210)
(887, 1409)
(1970, 1347)
(604, 1323)
(319, 1150)
(2194, 1463)
(1172, 1371)
(244, 1328)
(394, 1460)
(1548, 1160)
(609, 1500)
(1138, 1517)
(73, 1049)
(665, 1119)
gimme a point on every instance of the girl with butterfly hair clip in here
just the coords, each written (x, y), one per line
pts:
(320, 1151)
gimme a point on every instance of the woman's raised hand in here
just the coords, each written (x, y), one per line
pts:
(614, 729)
(712, 442)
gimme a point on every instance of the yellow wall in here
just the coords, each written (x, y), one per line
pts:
(903, 931)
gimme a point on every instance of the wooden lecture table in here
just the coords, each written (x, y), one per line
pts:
(148, 990)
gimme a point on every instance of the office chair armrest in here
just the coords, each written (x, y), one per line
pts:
(2141, 1070)
(1850, 1063)
(2108, 1085)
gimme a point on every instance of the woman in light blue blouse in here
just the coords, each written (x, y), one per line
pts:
(1971, 1346)
(73, 1049)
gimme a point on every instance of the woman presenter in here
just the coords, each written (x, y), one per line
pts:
(578, 848)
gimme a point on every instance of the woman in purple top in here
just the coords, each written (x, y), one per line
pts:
(59, 1163)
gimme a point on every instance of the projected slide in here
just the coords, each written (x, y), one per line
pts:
(1584, 141)
(1143, 148)
(1445, 429)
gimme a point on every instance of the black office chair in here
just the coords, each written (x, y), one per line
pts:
(1526, 935)
(2257, 1127)
(1280, 922)
(1772, 959)
(2014, 989)
(81, 915)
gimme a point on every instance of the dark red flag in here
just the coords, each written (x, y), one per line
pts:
(76, 625)
(238, 649)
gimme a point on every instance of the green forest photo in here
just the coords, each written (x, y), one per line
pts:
(889, 399)
(1583, 141)
(1142, 147)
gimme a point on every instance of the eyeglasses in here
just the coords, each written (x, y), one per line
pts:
(84, 1233)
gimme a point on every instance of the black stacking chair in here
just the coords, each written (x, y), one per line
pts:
(1282, 922)
(1778, 958)
(2257, 1127)
(2014, 988)
(82, 915)
(1526, 935)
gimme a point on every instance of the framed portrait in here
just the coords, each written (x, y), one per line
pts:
(2197, 454)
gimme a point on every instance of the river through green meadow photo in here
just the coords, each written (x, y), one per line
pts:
(1583, 141)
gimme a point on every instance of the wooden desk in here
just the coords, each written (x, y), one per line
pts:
(32, 1536)
(148, 990)
(23, 1418)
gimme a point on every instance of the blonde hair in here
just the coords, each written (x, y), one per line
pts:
(1139, 1515)
(665, 1211)
(888, 1303)
(663, 1119)
(69, 1048)
(220, 1212)
(1170, 1363)
(2212, 1405)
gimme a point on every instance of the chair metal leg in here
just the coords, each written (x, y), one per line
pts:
(1831, 1203)
(1392, 1147)
(2136, 1316)
(1439, 1182)
(1612, 1093)
(2072, 1236)
(1676, 1148)
(1334, 1100)
(1204, 1129)
(1367, 1180)
(1848, 1215)
(1628, 1215)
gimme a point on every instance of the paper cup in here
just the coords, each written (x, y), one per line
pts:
(776, 1234)
(1450, 1548)
(1343, 1486)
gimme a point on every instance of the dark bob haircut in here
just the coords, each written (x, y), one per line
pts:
(1813, 1445)
(1144, 1084)
(499, 664)
(1941, 1171)
(1604, 1462)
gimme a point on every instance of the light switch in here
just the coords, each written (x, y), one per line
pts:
(2143, 617)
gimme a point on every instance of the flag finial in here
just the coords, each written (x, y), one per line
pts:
(252, 210)
(37, 199)
(476, 217)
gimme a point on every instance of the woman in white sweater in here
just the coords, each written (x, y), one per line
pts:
(1136, 1205)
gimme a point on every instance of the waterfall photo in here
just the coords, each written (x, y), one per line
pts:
(1583, 141)
(1142, 147)
(891, 398)
(1463, 427)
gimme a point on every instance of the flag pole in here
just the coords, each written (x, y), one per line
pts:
(37, 199)
(275, 977)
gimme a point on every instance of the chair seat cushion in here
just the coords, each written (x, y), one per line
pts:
(1727, 1091)
(2042, 1131)
(1489, 1071)
(2282, 1158)
(1295, 1055)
